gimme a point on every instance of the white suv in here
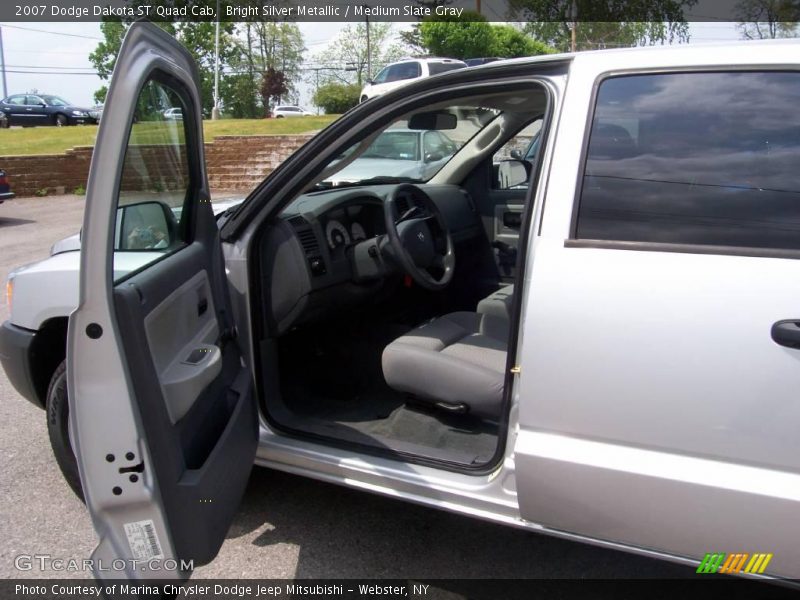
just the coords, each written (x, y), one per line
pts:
(402, 72)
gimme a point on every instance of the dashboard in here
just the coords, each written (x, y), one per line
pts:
(358, 220)
(306, 267)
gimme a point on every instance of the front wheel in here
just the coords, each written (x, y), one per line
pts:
(61, 120)
(58, 429)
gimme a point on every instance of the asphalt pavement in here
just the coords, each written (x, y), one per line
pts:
(287, 526)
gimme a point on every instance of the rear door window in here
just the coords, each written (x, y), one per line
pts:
(695, 158)
(434, 68)
(400, 71)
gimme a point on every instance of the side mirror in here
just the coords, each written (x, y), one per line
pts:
(147, 226)
(433, 157)
(511, 173)
(516, 155)
(43, 105)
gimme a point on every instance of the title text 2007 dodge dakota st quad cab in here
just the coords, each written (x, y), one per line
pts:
(636, 387)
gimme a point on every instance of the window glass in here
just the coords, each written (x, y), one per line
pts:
(381, 76)
(521, 147)
(16, 100)
(434, 68)
(396, 153)
(55, 101)
(695, 158)
(437, 146)
(33, 101)
(400, 71)
(155, 183)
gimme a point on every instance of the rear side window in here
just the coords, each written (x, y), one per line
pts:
(434, 68)
(400, 71)
(695, 158)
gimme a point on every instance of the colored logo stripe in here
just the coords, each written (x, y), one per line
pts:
(720, 562)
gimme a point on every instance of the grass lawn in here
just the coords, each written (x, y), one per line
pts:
(54, 140)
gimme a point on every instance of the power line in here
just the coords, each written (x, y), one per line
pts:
(48, 67)
(76, 35)
(50, 72)
(82, 53)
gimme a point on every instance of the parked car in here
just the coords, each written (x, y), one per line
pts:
(475, 62)
(405, 71)
(279, 112)
(96, 112)
(5, 187)
(403, 152)
(635, 388)
(174, 114)
(30, 110)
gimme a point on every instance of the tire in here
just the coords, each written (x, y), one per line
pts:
(61, 120)
(58, 429)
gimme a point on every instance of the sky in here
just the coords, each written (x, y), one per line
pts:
(54, 57)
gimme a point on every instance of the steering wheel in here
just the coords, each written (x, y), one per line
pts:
(419, 237)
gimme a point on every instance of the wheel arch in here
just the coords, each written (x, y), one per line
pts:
(48, 349)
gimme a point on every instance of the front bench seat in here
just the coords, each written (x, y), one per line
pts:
(456, 362)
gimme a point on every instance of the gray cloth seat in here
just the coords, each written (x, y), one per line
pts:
(498, 303)
(456, 362)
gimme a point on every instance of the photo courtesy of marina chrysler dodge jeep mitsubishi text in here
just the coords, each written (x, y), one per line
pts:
(598, 340)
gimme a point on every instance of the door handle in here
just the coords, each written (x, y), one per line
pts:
(787, 333)
(512, 220)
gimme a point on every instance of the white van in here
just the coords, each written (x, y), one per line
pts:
(404, 71)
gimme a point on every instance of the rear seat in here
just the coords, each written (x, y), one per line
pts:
(498, 304)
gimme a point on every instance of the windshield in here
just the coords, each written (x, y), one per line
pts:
(412, 149)
(55, 101)
(395, 145)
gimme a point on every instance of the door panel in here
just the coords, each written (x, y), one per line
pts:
(659, 413)
(164, 419)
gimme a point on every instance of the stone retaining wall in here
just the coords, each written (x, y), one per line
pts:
(234, 162)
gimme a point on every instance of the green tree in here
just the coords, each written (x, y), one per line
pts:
(246, 51)
(349, 49)
(604, 24)
(336, 98)
(510, 42)
(104, 56)
(767, 19)
(472, 37)
(100, 94)
(412, 37)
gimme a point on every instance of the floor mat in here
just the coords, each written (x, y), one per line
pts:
(333, 385)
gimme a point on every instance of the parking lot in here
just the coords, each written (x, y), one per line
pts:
(288, 527)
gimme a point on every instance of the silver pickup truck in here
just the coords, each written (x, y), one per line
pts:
(598, 340)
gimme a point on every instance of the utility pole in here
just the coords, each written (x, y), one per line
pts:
(478, 6)
(369, 53)
(3, 59)
(215, 110)
(574, 41)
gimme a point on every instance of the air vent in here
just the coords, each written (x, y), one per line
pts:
(306, 235)
(309, 241)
